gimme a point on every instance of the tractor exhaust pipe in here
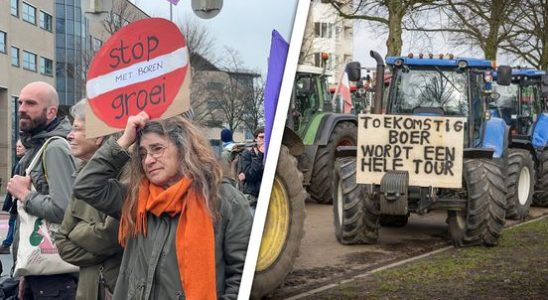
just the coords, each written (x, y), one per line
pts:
(379, 82)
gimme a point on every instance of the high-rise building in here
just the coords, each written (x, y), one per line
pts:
(49, 41)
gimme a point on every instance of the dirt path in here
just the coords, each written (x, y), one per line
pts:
(323, 260)
(516, 269)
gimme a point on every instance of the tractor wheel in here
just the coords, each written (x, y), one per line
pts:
(283, 229)
(356, 214)
(344, 134)
(394, 221)
(541, 189)
(520, 182)
(481, 222)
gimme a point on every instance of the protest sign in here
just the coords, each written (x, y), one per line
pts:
(142, 67)
(430, 148)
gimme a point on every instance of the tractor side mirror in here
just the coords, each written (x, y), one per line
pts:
(544, 86)
(354, 70)
(504, 75)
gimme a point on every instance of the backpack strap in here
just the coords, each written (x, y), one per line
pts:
(40, 156)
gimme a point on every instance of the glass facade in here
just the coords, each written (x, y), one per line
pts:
(71, 30)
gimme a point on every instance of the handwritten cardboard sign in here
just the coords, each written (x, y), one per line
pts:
(429, 148)
(142, 67)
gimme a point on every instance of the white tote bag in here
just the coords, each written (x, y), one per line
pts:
(37, 253)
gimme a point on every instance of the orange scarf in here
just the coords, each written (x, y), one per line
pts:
(195, 241)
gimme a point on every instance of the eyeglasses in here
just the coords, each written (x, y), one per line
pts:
(260, 136)
(155, 151)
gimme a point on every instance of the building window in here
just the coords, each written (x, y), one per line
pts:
(14, 56)
(29, 61)
(29, 13)
(323, 30)
(46, 66)
(96, 44)
(15, 8)
(46, 21)
(318, 61)
(3, 39)
(348, 32)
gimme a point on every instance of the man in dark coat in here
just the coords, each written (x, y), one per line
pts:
(9, 203)
(251, 168)
(51, 178)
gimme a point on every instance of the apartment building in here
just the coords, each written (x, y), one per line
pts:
(27, 53)
(326, 32)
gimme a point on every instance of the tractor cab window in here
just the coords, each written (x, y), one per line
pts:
(528, 109)
(477, 100)
(430, 92)
(307, 100)
(507, 103)
(307, 97)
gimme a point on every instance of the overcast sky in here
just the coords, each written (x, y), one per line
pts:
(244, 25)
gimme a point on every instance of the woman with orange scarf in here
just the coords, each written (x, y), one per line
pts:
(184, 231)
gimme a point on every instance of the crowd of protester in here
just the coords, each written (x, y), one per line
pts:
(146, 214)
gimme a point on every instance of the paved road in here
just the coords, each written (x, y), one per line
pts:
(323, 260)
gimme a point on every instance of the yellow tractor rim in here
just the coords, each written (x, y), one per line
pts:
(275, 228)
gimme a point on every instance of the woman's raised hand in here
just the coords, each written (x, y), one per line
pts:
(133, 124)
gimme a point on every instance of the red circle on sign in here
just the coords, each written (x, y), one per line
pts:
(140, 68)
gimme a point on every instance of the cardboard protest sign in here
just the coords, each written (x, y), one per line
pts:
(430, 148)
(142, 67)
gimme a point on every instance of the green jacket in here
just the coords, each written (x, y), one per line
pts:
(53, 185)
(89, 239)
(149, 267)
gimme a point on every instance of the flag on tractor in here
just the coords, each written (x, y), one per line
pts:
(343, 90)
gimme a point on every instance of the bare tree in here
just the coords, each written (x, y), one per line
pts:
(482, 23)
(391, 14)
(120, 15)
(529, 40)
(199, 41)
(219, 93)
(236, 89)
(253, 115)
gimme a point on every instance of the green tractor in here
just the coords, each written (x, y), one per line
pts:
(314, 130)
(318, 123)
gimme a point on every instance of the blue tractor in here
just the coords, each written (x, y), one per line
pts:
(523, 106)
(448, 89)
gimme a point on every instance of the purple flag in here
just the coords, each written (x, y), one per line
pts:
(174, 2)
(276, 65)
